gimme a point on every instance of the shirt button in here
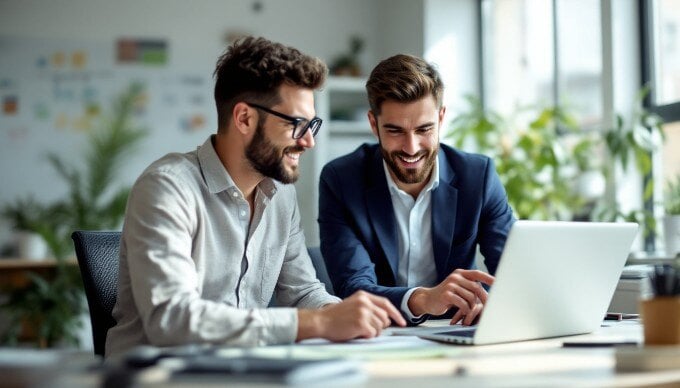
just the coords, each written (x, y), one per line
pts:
(243, 213)
(235, 194)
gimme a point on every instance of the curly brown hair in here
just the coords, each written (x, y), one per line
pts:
(403, 78)
(253, 68)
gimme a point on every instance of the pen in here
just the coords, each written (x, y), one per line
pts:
(597, 344)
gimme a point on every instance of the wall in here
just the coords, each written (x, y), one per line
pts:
(196, 36)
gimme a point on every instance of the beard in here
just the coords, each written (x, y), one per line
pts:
(267, 159)
(410, 175)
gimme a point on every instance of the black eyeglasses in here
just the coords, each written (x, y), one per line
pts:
(300, 124)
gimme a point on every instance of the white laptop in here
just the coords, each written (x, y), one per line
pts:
(554, 279)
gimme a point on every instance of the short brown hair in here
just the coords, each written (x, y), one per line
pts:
(252, 69)
(403, 78)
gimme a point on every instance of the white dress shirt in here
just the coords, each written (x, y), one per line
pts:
(414, 222)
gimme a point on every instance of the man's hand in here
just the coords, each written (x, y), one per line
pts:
(362, 315)
(461, 289)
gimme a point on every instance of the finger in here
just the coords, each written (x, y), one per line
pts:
(389, 308)
(482, 295)
(371, 328)
(456, 317)
(470, 318)
(469, 296)
(471, 286)
(459, 302)
(377, 324)
(476, 276)
(381, 315)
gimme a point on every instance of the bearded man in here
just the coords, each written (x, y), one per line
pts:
(403, 218)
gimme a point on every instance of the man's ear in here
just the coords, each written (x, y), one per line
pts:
(243, 118)
(442, 113)
(374, 123)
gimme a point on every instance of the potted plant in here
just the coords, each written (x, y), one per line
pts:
(633, 140)
(671, 221)
(536, 164)
(53, 306)
(348, 63)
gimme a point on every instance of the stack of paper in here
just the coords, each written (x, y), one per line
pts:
(647, 358)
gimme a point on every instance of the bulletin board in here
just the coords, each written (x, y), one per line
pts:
(53, 92)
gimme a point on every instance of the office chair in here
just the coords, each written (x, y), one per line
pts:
(97, 254)
(320, 266)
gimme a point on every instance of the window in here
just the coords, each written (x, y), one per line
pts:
(542, 53)
(661, 53)
(518, 68)
(666, 51)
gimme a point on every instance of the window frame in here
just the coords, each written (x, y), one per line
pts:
(668, 112)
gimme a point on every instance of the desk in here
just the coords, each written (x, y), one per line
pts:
(13, 271)
(525, 364)
(425, 364)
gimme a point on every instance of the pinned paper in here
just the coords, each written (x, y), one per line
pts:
(142, 51)
(10, 105)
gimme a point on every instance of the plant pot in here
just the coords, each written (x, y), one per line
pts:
(661, 320)
(671, 227)
(31, 246)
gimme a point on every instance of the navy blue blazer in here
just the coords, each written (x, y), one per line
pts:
(359, 233)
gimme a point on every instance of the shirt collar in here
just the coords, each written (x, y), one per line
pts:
(432, 184)
(217, 177)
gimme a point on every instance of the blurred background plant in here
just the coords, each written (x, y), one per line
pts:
(538, 162)
(348, 63)
(552, 170)
(672, 197)
(671, 221)
(53, 306)
(633, 140)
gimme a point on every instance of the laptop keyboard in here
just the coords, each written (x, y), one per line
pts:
(468, 333)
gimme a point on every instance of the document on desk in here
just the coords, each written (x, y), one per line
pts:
(385, 347)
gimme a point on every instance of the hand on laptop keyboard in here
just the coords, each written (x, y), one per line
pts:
(461, 289)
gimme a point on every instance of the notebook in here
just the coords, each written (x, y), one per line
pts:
(554, 279)
(201, 364)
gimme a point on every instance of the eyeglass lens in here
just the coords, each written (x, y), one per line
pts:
(302, 126)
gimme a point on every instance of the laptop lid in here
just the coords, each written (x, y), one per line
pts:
(554, 279)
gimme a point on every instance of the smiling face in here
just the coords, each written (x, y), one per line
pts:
(272, 151)
(409, 140)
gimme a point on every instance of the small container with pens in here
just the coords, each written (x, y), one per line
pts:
(661, 313)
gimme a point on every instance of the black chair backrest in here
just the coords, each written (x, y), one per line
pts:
(97, 253)
(320, 267)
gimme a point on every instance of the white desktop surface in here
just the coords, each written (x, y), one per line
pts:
(405, 361)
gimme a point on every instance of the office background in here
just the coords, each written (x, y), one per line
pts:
(62, 62)
(59, 65)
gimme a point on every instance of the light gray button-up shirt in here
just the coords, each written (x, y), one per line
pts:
(194, 270)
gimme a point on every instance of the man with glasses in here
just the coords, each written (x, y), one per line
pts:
(403, 218)
(210, 235)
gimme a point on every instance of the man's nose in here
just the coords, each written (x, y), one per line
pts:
(410, 145)
(307, 140)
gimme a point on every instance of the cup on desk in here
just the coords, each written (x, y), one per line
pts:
(661, 320)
